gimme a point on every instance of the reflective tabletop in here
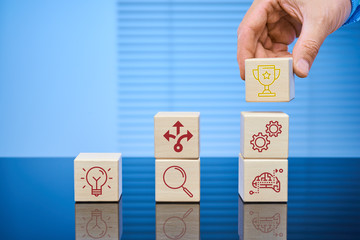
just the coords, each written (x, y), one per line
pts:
(37, 202)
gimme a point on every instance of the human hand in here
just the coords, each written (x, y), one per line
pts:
(270, 26)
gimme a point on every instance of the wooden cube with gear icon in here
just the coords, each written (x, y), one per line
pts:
(177, 180)
(269, 80)
(264, 135)
(176, 135)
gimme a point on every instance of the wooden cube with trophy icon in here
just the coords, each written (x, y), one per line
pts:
(269, 80)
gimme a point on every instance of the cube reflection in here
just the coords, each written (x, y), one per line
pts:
(262, 220)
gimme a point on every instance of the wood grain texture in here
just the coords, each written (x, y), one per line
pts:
(177, 221)
(177, 142)
(97, 221)
(269, 80)
(177, 180)
(262, 221)
(98, 177)
(264, 135)
(263, 180)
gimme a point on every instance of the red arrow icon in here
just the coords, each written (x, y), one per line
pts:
(178, 147)
(178, 125)
(188, 135)
(167, 135)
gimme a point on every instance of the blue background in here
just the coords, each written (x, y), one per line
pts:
(88, 76)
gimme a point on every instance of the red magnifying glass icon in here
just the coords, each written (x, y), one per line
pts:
(175, 177)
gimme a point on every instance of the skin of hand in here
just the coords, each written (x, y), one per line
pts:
(270, 26)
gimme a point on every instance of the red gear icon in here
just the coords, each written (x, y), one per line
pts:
(273, 128)
(260, 142)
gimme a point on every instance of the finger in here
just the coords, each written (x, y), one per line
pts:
(279, 47)
(276, 51)
(246, 46)
(265, 40)
(249, 32)
(262, 52)
(307, 47)
(282, 32)
(295, 23)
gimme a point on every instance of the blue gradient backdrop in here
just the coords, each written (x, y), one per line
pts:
(88, 76)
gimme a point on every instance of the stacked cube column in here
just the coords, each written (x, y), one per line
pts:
(263, 164)
(177, 162)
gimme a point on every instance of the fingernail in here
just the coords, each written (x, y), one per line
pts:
(303, 66)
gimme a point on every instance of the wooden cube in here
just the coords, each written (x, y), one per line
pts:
(176, 135)
(263, 180)
(98, 221)
(177, 221)
(264, 135)
(269, 80)
(98, 177)
(262, 221)
(177, 180)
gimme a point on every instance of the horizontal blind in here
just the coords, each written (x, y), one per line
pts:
(180, 55)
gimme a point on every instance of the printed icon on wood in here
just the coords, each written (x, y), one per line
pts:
(176, 135)
(175, 177)
(267, 180)
(177, 180)
(264, 135)
(178, 147)
(266, 75)
(269, 80)
(263, 180)
(96, 178)
(260, 142)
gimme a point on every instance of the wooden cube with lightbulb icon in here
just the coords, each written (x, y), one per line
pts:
(269, 80)
(98, 177)
(98, 221)
(177, 180)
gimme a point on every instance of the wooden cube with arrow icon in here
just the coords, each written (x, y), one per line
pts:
(176, 135)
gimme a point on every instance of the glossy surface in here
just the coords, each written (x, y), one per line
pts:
(37, 199)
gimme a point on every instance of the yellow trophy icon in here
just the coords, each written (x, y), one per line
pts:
(266, 75)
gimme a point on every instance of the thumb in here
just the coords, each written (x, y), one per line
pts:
(307, 47)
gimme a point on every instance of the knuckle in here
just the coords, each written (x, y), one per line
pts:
(238, 30)
(311, 47)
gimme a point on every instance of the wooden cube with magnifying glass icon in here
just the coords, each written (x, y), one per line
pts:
(98, 177)
(269, 80)
(177, 180)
